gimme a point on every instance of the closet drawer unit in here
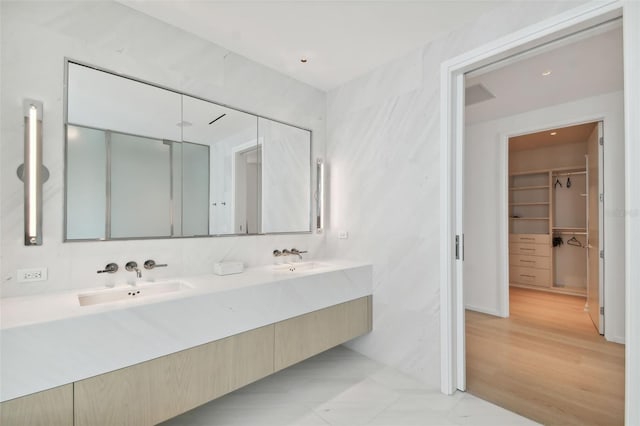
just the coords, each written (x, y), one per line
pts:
(529, 249)
(529, 276)
(537, 262)
(530, 238)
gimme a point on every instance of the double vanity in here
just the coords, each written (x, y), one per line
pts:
(107, 357)
(144, 161)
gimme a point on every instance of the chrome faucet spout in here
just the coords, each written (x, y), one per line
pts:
(133, 266)
(297, 252)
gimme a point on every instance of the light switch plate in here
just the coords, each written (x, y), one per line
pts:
(343, 235)
(32, 274)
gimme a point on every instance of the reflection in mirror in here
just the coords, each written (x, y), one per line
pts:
(86, 183)
(140, 187)
(195, 190)
(235, 168)
(286, 177)
(125, 186)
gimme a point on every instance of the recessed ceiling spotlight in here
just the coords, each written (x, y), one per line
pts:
(546, 73)
(304, 60)
(553, 133)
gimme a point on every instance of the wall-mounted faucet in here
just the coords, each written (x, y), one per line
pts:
(297, 252)
(133, 266)
(111, 268)
(287, 252)
(293, 251)
(150, 264)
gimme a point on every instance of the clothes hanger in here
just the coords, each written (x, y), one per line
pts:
(573, 241)
(569, 182)
(557, 183)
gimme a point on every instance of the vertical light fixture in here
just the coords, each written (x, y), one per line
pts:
(319, 195)
(33, 173)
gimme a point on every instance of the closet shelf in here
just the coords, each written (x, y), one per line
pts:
(568, 229)
(538, 203)
(528, 188)
(529, 218)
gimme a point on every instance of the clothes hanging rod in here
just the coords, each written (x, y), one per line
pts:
(569, 174)
(570, 232)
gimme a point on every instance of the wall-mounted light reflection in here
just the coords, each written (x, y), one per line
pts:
(320, 195)
(32, 172)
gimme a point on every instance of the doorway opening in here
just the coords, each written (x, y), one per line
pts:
(452, 144)
(556, 204)
(533, 199)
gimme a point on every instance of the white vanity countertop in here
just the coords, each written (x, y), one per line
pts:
(50, 340)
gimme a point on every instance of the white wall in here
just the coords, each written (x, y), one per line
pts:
(36, 36)
(383, 154)
(485, 185)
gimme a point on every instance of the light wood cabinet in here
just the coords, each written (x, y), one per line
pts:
(301, 337)
(53, 407)
(530, 260)
(154, 391)
(541, 206)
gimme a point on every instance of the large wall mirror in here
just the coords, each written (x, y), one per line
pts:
(147, 162)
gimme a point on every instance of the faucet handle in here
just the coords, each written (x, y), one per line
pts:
(131, 266)
(277, 253)
(296, 251)
(150, 264)
(111, 268)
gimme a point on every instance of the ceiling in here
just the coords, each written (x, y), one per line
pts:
(587, 64)
(561, 136)
(340, 39)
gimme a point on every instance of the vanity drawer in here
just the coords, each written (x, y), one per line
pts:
(530, 238)
(529, 276)
(529, 249)
(538, 262)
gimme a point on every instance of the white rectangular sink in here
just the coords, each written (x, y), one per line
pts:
(300, 266)
(139, 291)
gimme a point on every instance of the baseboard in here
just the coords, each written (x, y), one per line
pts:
(615, 339)
(483, 310)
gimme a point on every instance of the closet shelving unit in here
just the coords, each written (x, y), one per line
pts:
(530, 206)
(530, 202)
(532, 224)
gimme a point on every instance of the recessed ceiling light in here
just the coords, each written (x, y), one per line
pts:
(553, 133)
(546, 73)
(303, 60)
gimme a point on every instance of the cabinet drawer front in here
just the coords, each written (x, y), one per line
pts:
(530, 276)
(530, 238)
(538, 262)
(529, 249)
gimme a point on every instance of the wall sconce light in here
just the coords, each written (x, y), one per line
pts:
(319, 195)
(32, 173)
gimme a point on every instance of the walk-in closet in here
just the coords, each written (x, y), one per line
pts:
(554, 210)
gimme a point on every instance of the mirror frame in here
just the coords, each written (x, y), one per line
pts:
(66, 123)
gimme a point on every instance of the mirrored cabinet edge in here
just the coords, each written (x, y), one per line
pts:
(268, 177)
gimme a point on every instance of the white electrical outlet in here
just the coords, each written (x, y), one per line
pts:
(32, 274)
(343, 235)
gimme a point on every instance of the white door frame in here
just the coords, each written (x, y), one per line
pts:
(451, 165)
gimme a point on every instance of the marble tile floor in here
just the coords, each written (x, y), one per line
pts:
(342, 387)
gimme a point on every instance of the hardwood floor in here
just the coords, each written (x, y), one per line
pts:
(546, 361)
